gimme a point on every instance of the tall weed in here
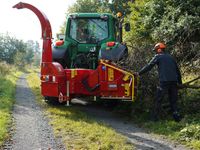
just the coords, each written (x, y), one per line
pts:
(4, 68)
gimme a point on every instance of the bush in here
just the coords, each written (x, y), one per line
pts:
(189, 133)
(4, 68)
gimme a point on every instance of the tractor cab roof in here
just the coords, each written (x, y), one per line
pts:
(90, 15)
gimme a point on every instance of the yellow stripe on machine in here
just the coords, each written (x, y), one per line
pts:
(73, 73)
(127, 76)
(110, 74)
(126, 89)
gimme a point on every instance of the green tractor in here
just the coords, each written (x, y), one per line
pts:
(88, 38)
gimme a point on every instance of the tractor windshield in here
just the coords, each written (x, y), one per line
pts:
(86, 30)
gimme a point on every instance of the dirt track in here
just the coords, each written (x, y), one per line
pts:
(139, 137)
(32, 131)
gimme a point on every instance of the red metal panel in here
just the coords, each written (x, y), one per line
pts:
(93, 78)
(77, 84)
(49, 89)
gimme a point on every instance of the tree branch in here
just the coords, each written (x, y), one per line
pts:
(183, 86)
(186, 85)
(192, 80)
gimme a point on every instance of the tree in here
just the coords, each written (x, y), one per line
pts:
(18, 52)
(9, 46)
(95, 6)
(29, 51)
(85, 6)
(115, 6)
(37, 54)
(174, 22)
(82, 6)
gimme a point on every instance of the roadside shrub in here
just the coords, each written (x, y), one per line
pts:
(191, 132)
(4, 68)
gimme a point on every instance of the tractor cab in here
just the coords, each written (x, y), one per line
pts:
(86, 38)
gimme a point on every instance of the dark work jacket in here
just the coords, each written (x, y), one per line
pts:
(167, 68)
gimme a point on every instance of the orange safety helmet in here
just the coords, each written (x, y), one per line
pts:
(159, 47)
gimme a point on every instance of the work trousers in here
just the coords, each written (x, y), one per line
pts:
(170, 88)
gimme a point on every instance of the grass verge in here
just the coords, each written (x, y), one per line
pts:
(7, 91)
(77, 130)
(187, 131)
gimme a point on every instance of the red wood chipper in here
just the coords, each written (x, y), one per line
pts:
(84, 65)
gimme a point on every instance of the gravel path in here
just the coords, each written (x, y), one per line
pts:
(141, 139)
(32, 131)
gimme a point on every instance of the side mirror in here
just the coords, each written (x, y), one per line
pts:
(127, 27)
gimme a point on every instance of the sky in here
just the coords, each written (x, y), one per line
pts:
(24, 24)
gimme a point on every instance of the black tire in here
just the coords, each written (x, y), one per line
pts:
(53, 101)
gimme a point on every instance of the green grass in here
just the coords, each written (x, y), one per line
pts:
(7, 91)
(187, 131)
(77, 130)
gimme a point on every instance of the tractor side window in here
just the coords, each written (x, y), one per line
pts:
(88, 30)
(78, 30)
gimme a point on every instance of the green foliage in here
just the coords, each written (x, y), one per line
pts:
(190, 132)
(112, 6)
(81, 6)
(4, 68)
(186, 132)
(138, 34)
(30, 51)
(9, 46)
(115, 6)
(174, 22)
(14, 51)
(7, 90)
(95, 6)
(85, 6)
(190, 101)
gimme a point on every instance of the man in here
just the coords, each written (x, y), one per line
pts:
(169, 77)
